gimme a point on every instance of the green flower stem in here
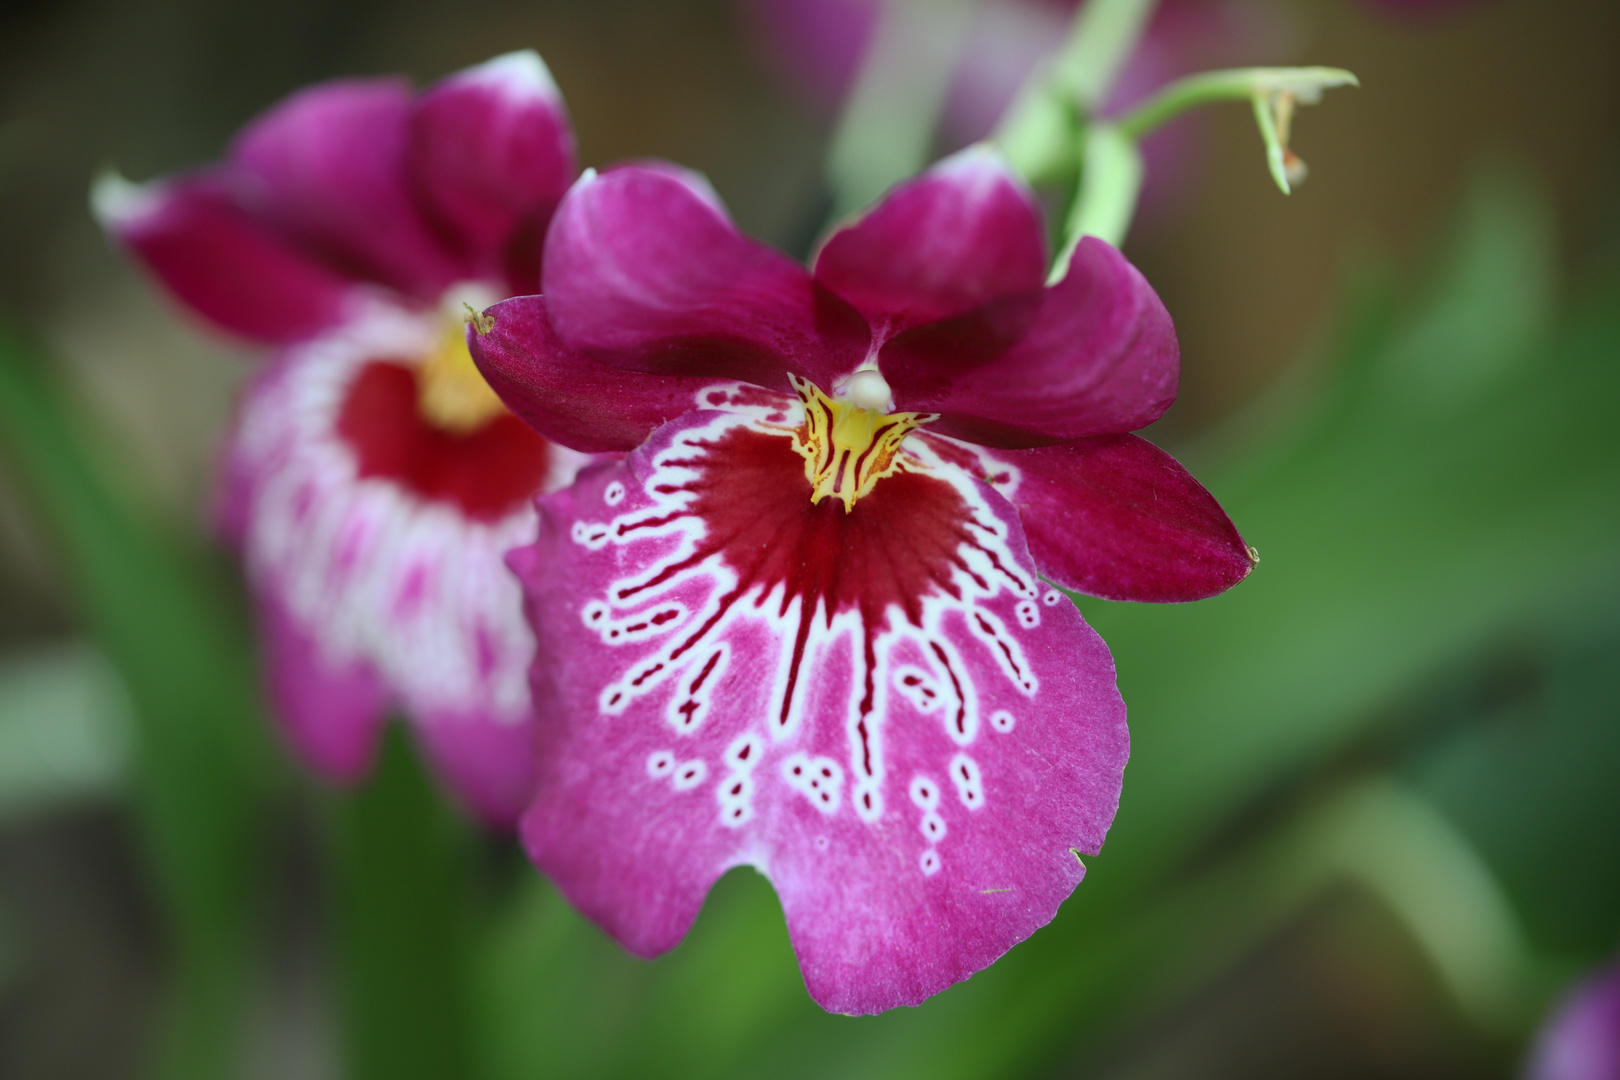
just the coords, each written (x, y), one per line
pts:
(888, 123)
(1110, 181)
(1233, 84)
(1104, 35)
(162, 614)
(399, 861)
(1041, 132)
(1273, 92)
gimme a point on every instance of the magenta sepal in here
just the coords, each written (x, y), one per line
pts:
(218, 261)
(1116, 517)
(355, 186)
(491, 152)
(569, 397)
(885, 711)
(962, 234)
(646, 274)
(1094, 354)
(328, 168)
(344, 223)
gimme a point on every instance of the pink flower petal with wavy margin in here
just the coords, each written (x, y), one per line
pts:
(327, 167)
(884, 711)
(963, 233)
(1094, 354)
(220, 262)
(491, 153)
(645, 274)
(1116, 517)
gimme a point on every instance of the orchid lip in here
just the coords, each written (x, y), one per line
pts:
(873, 704)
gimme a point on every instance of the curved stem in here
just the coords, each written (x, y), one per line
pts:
(1040, 133)
(1110, 181)
(1234, 84)
(888, 121)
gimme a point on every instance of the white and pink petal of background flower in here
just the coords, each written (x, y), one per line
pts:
(344, 226)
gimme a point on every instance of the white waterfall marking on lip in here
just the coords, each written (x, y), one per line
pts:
(908, 652)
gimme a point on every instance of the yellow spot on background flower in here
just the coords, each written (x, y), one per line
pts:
(451, 393)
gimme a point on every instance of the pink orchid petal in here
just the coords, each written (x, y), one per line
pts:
(327, 167)
(221, 263)
(1095, 354)
(884, 710)
(1114, 516)
(331, 712)
(1580, 1040)
(577, 401)
(491, 152)
(960, 235)
(488, 762)
(645, 274)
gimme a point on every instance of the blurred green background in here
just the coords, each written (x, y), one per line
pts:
(1371, 824)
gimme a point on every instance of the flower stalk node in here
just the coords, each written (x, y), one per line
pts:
(847, 447)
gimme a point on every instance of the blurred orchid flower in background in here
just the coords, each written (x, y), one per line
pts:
(373, 482)
(1581, 1040)
(803, 626)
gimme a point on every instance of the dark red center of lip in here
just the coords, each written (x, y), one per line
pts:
(485, 473)
(895, 546)
(900, 543)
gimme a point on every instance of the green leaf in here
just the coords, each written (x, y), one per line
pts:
(400, 867)
(162, 611)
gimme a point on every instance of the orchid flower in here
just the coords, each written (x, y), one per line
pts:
(373, 482)
(811, 623)
(1581, 1039)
